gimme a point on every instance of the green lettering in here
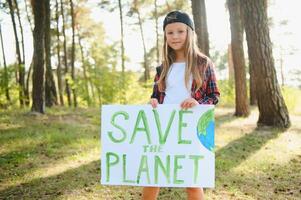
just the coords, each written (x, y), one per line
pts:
(176, 168)
(182, 124)
(143, 167)
(124, 170)
(165, 170)
(110, 163)
(196, 159)
(110, 133)
(162, 138)
(145, 128)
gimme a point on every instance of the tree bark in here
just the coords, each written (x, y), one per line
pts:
(123, 99)
(271, 105)
(86, 80)
(21, 31)
(59, 66)
(5, 69)
(50, 90)
(73, 54)
(253, 98)
(252, 91)
(241, 97)
(157, 34)
(20, 69)
(200, 22)
(38, 64)
(145, 63)
(65, 56)
(31, 64)
(27, 15)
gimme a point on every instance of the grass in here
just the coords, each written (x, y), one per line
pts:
(56, 156)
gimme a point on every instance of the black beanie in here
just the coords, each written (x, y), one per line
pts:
(178, 16)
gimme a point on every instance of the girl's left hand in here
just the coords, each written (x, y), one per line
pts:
(189, 103)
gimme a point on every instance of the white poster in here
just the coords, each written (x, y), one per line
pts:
(166, 146)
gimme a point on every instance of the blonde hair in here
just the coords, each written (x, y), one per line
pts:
(196, 62)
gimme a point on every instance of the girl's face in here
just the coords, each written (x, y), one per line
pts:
(176, 34)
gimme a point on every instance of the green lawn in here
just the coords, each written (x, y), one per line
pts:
(57, 156)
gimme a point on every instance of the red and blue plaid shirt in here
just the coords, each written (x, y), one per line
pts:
(207, 94)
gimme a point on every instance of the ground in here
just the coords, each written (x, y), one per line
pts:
(57, 156)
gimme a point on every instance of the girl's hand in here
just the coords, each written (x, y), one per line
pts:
(189, 103)
(154, 102)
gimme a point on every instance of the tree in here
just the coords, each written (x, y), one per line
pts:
(86, 79)
(20, 72)
(241, 97)
(65, 55)
(30, 67)
(85, 28)
(135, 9)
(122, 36)
(5, 68)
(200, 22)
(59, 67)
(271, 105)
(157, 32)
(73, 53)
(111, 7)
(38, 62)
(50, 90)
(22, 68)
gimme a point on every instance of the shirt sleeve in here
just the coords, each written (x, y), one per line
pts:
(155, 93)
(212, 91)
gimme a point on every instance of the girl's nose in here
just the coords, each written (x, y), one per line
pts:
(175, 35)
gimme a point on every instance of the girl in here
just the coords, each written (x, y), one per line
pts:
(186, 77)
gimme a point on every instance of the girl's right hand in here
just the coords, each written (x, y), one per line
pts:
(154, 102)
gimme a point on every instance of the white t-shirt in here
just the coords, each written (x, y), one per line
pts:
(176, 91)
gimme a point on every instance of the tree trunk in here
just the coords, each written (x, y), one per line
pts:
(20, 70)
(27, 81)
(50, 90)
(252, 91)
(271, 105)
(122, 53)
(59, 67)
(241, 97)
(157, 33)
(38, 64)
(27, 15)
(73, 55)
(21, 31)
(86, 80)
(5, 68)
(65, 56)
(92, 85)
(200, 22)
(26, 92)
(253, 98)
(145, 63)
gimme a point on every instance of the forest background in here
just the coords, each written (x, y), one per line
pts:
(60, 60)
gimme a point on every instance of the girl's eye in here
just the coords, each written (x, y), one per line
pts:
(181, 31)
(169, 33)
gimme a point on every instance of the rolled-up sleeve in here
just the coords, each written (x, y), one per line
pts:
(156, 93)
(212, 93)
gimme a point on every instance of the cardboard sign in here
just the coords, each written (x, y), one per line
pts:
(166, 146)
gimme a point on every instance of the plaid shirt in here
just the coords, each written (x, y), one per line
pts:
(207, 94)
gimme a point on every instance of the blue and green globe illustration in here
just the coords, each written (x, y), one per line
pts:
(205, 130)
